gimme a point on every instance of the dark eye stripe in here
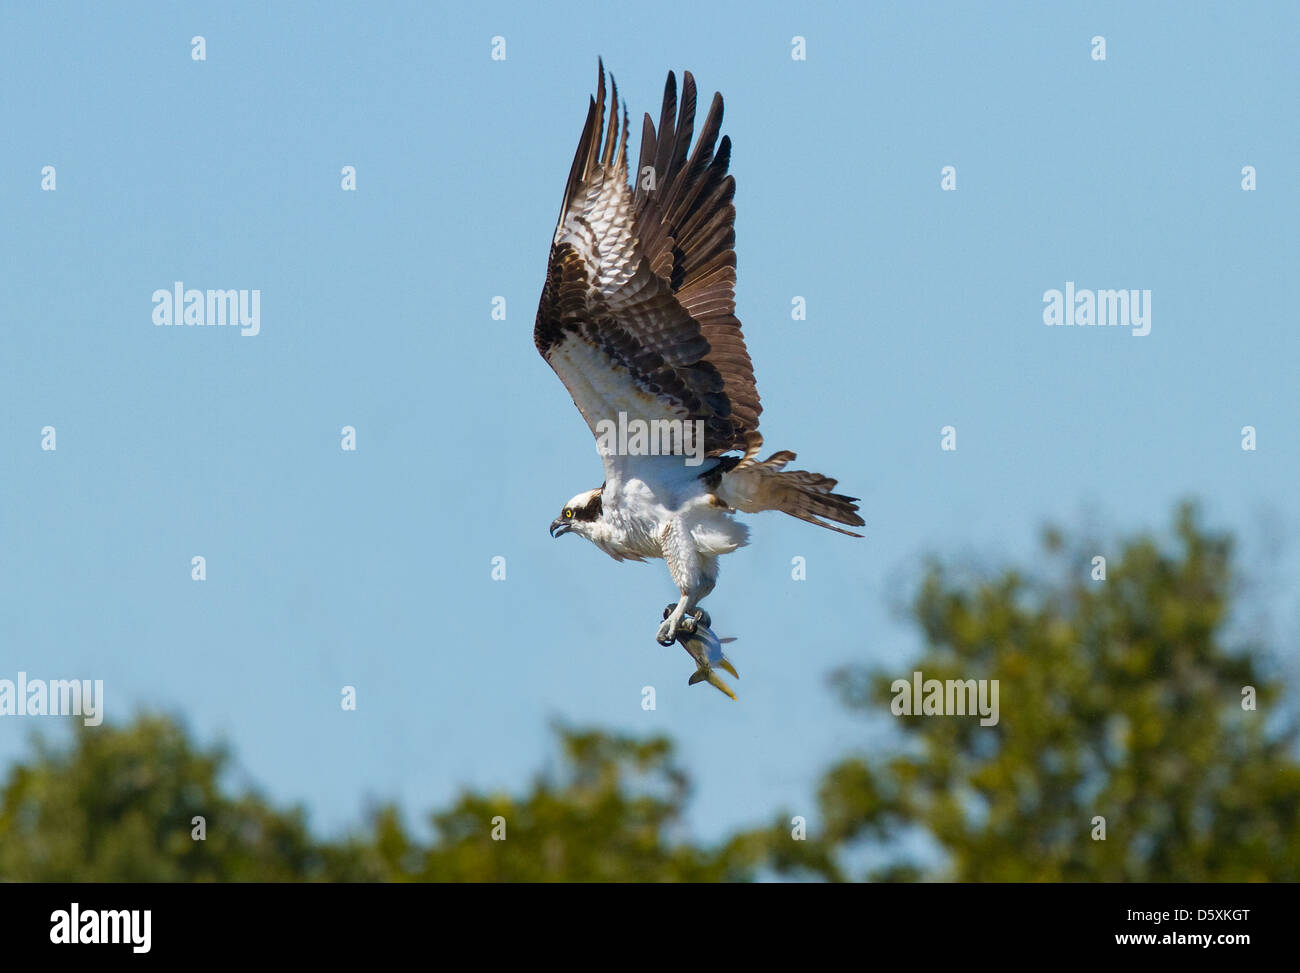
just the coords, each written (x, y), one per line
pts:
(591, 511)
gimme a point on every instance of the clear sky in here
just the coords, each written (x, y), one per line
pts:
(372, 568)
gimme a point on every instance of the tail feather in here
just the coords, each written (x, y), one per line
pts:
(752, 487)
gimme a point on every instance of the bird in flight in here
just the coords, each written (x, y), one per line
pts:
(637, 317)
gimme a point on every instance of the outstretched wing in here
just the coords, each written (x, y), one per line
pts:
(637, 312)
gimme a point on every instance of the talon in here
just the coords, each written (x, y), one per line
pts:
(673, 622)
(702, 618)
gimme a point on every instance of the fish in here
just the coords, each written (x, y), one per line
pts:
(705, 647)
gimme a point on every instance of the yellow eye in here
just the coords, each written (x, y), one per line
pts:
(568, 513)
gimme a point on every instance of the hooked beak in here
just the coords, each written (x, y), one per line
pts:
(560, 527)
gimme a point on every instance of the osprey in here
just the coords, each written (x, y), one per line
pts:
(637, 317)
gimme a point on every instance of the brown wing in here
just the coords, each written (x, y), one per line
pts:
(616, 329)
(687, 228)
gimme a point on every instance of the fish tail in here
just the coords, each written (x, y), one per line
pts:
(714, 680)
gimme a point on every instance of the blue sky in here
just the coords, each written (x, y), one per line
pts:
(373, 568)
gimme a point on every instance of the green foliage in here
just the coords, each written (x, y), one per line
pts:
(608, 818)
(1119, 699)
(118, 804)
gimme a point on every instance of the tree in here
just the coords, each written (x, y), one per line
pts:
(1120, 700)
(610, 816)
(118, 804)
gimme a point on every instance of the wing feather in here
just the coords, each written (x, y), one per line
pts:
(637, 313)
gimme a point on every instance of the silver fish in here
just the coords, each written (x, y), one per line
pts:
(699, 640)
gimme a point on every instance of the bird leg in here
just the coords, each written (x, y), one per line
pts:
(693, 573)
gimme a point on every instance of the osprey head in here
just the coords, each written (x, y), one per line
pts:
(578, 514)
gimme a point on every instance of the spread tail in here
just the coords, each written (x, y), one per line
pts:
(767, 486)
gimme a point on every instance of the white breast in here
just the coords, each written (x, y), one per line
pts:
(634, 519)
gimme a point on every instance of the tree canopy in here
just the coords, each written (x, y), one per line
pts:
(1125, 712)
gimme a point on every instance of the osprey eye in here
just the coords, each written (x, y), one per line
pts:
(568, 513)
